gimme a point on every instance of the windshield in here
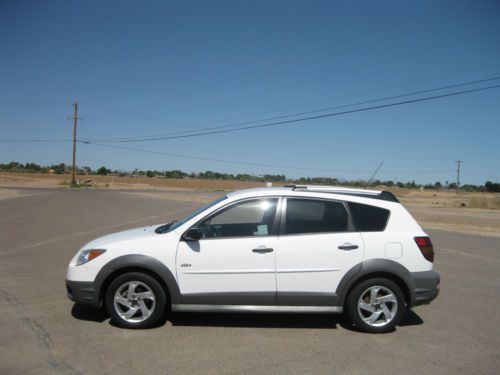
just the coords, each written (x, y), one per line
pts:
(177, 224)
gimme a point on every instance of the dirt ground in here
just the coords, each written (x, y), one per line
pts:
(473, 213)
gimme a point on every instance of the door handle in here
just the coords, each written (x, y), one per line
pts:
(262, 250)
(348, 246)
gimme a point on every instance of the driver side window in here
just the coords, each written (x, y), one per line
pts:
(245, 219)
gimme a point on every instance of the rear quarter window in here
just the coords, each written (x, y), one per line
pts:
(369, 218)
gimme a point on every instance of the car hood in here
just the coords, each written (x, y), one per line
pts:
(130, 234)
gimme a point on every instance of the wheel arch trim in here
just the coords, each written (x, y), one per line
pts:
(137, 263)
(377, 268)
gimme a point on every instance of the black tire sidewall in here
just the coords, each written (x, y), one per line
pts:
(151, 282)
(352, 305)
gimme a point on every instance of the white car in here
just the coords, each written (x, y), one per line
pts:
(287, 249)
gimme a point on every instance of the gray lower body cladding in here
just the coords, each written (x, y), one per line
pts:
(426, 286)
(83, 292)
(423, 288)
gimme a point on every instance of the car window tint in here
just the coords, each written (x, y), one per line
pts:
(315, 216)
(369, 218)
(245, 219)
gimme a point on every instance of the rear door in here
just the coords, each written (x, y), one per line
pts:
(316, 247)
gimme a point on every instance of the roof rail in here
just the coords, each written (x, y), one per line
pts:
(375, 194)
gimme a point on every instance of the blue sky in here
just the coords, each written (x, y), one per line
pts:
(142, 68)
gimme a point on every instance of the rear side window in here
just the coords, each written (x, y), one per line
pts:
(369, 218)
(315, 216)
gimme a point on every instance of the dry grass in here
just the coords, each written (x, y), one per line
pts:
(476, 213)
(114, 182)
(490, 201)
(411, 197)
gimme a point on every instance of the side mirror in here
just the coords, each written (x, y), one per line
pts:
(192, 234)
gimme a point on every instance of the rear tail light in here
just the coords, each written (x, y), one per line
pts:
(426, 248)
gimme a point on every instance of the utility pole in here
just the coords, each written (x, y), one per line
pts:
(75, 118)
(458, 172)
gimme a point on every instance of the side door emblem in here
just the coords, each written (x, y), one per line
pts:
(185, 265)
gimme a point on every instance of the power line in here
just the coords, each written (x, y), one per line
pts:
(238, 162)
(292, 121)
(313, 111)
(34, 140)
(218, 160)
(347, 105)
(479, 174)
(349, 150)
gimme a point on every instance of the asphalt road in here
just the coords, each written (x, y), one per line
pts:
(42, 332)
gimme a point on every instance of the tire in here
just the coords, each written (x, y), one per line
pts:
(376, 305)
(135, 300)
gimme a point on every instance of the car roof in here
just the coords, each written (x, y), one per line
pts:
(314, 190)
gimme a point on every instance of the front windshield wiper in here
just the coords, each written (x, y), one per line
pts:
(164, 228)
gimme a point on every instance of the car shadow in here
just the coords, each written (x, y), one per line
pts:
(411, 318)
(91, 314)
(244, 320)
(253, 320)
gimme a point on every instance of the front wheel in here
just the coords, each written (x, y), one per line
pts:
(376, 305)
(135, 300)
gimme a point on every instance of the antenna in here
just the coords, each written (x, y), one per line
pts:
(373, 175)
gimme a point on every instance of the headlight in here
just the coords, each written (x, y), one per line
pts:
(87, 255)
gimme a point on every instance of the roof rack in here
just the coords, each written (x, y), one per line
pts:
(374, 194)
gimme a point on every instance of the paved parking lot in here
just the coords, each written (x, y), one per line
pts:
(42, 332)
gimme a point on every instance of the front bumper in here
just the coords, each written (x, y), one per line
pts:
(83, 292)
(426, 287)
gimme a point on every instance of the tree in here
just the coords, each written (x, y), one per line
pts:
(103, 171)
(33, 167)
(59, 169)
(492, 187)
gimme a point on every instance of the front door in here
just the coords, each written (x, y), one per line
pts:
(315, 250)
(234, 261)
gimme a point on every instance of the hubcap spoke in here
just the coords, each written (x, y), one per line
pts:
(373, 294)
(144, 310)
(366, 307)
(123, 301)
(131, 289)
(387, 313)
(131, 312)
(373, 317)
(388, 298)
(145, 295)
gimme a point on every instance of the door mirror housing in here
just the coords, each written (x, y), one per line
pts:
(192, 234)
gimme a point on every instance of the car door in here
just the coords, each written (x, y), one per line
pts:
(316, 247)
(234, 261)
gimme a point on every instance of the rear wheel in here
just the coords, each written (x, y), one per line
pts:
(376, 305)
(135, 300)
